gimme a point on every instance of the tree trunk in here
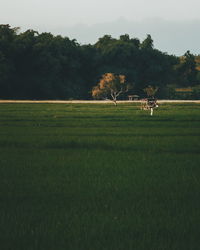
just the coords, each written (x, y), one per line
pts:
(115, 102)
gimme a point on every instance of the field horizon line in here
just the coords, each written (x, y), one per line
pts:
(95, 101)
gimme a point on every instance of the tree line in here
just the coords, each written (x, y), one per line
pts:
(43, 66)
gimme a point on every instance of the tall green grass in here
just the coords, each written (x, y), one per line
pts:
(91, 177)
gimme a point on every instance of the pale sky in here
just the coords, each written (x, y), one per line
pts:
(64, 16)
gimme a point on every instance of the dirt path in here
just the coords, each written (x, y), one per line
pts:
(92, 101)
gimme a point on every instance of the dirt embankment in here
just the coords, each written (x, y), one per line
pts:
(93, 101)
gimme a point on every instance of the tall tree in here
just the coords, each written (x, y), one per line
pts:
(7, 65)
(147, 43)
(110, 86)
(187, 70)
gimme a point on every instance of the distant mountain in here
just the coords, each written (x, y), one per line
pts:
(173, 37)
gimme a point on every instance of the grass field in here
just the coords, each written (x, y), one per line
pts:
(99, 177)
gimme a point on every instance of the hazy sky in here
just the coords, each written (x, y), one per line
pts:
(64, 16)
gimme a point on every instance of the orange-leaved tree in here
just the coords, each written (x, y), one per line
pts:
(110, 86)
(150, 90)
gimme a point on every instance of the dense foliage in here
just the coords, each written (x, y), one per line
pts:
(44, 66)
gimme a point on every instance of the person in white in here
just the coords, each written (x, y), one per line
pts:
(152, 103)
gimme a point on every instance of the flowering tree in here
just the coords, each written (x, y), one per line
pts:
(110, 86)
(150, 91)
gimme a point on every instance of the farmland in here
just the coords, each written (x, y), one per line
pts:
(91, 177)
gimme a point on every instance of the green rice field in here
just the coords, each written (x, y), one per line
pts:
(99, 177)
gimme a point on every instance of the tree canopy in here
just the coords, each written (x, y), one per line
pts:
(110, 86)
(37, 65)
